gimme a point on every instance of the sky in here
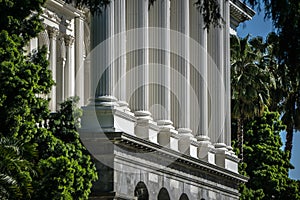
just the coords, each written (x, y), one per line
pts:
(258, 26)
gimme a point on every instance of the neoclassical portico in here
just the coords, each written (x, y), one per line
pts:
(169, 71)
(154, 84)
(161, 82)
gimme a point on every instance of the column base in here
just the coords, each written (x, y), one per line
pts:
(124, 106)
(187, 143)
(142, 127)
(225, 159)
(221, 152)
(165, 124)
(206, 150)
(105, 101)
(103, 115)
(167, 136)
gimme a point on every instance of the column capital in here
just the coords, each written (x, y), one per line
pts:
(81, 17)
(69, 39)
(52, 31)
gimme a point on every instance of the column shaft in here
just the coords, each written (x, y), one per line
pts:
(62, 77)
(53, 32)
(216, 85)
(203, 85)
(227, 74)
(69, 68)
(166, 70)
(221, 101)
(102, 54)
(120, 50)
(159, 19)
(184, 65)
(143, 58)
(79, 59)
(138, 60)
(199, 74)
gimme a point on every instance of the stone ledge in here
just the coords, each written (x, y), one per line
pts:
(132, 144)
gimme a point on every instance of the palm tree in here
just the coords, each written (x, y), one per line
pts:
(15, 170)
(286, 96)
(250, 81)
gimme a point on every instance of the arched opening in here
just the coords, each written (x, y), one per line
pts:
(141, 191)
(183, 197)
(163, 194)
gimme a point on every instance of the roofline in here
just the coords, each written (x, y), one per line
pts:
(240, 12)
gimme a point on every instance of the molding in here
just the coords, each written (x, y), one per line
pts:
(165, 162)
(51, 15)
(239, 12)
(63, 8)
(176, 174)
(126, 140)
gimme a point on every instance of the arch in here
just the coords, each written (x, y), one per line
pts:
(141, 191)
(163, 194)
(183, 197)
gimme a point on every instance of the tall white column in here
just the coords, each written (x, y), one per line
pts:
(184, 68)
(165, 71)
(102, 55)
(199, 83)
(180, 75)
(221, 101)
(62, 69)
(53, 32)
(160, 93)
(69, 80)
(142, 75)
(203, 100)
(199, 76)
(227, 75)
(102, 113)
(218, 113)
(79, 59)
(120, 50)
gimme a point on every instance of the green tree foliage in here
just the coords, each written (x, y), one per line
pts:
(266, 163)
(68, 172)
(257, 81)
(285, 15)
(251, 81)
(21, 18)
(61, 167)
(15, 169)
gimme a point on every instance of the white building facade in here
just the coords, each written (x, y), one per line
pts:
(154, 85)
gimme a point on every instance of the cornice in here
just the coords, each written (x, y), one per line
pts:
(131, 142)
(240, 12)
(62, 7)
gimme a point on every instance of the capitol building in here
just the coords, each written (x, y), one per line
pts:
(154, 87)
